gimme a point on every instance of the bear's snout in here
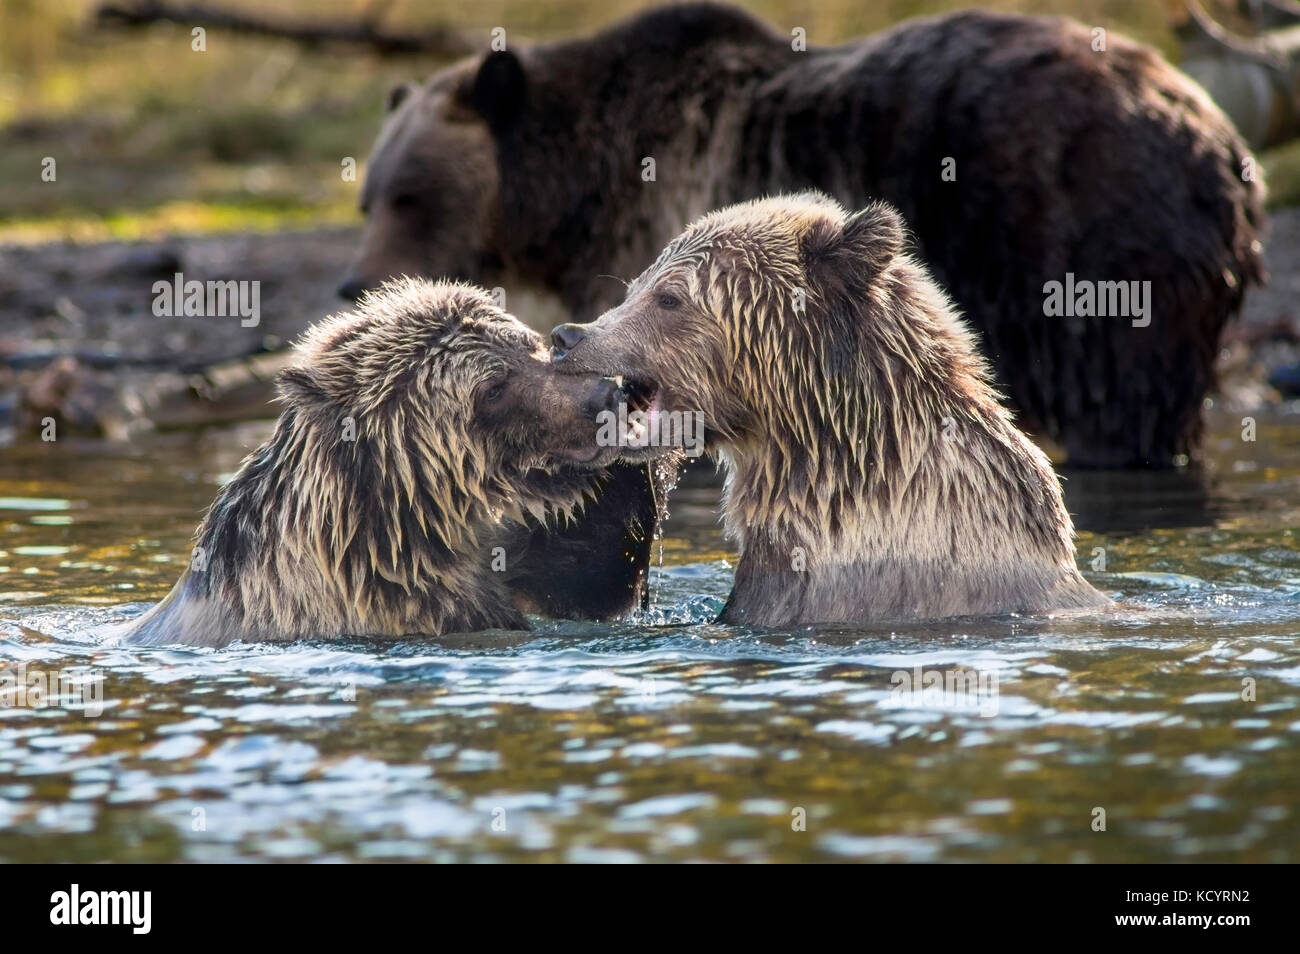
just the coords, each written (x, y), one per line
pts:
(605, 396)
(564, 338)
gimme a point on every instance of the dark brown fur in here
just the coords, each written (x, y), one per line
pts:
(524, 169)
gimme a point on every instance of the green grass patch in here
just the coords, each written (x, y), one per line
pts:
(1282, 174)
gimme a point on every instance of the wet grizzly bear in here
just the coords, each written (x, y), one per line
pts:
(1017, 153)
(871, 472)
(412, 485)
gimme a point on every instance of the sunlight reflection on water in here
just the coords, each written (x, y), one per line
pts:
(664, 736)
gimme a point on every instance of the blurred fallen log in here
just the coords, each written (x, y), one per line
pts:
(80, 342)
(444, 42)
(120, 405)
(1255, 80)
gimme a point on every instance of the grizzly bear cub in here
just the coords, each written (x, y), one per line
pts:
(871, 471)
(413, 484)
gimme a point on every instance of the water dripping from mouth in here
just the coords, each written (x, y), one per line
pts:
(663, 474)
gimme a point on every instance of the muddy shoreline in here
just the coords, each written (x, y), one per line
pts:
(80, 343)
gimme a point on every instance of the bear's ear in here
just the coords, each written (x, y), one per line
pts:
(397, 95)
(876, 234)
(499, 89)
(869, 239)
(297, 386)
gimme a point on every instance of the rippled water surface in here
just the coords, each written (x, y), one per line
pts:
(665, 737)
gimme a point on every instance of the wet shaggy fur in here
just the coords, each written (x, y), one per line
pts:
(395, 532)
(525, 169)
(872, 473)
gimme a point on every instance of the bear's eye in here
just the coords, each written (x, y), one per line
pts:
(667, 301)
(495, 392)
(404, 200)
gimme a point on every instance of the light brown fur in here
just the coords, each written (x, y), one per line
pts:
(393, 531)
(872, 472)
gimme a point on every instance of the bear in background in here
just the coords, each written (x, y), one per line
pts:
(1019, 152)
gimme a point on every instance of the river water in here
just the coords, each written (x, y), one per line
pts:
(1167, 731)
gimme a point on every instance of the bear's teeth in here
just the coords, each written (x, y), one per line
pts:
(618, 381)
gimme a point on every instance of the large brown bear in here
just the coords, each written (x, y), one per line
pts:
(871, 472)
(1020, 151)
(412, 486)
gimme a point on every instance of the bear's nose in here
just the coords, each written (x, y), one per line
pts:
(352, 289)
(566, 337)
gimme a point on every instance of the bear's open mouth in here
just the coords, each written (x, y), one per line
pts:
(639, 392)
(639, 399)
